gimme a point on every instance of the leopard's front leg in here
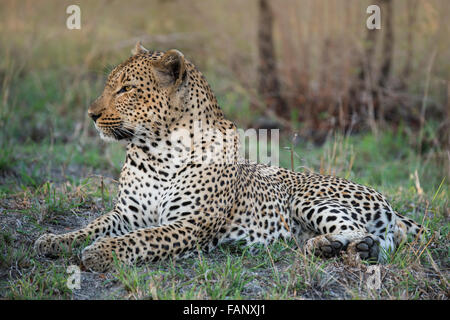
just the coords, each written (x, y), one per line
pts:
(153, 244)
(110, 224)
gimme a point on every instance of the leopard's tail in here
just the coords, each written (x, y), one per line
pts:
(405, 227)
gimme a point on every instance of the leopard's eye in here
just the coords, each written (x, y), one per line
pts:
(125, 89)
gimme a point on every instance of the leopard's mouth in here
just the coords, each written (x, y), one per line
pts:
(122, 133)
(116, 133)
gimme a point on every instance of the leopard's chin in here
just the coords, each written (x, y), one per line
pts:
(103, 135)
(106, 137)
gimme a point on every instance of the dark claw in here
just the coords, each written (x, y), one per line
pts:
(362, 246)
(374, 251)
(336, 245)
(327, 249)
(364, 254)
(369, 241)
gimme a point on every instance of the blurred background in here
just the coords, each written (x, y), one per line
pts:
(372, 105)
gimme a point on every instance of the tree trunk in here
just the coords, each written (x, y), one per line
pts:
(412, 17)
(269, 85)
(388, 43)
(361, 92)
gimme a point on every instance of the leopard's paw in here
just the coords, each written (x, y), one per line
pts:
(324, 246)
(366, 248)
(51, 245)
(98, 256)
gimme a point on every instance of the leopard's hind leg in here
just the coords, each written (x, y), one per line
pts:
(337, 227)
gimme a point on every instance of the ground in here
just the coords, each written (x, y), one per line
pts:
(60, 187)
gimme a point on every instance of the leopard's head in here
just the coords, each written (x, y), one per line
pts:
(143, 97)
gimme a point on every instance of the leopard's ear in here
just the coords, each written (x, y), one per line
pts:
(138, 49)
(172, 67)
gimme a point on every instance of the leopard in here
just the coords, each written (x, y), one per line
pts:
(185, 188)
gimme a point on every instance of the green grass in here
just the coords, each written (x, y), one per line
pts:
(43, 283)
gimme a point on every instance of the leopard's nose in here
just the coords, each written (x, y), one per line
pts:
(94, 116)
